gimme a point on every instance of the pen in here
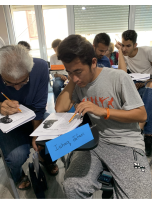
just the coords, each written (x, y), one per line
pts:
(9, 100)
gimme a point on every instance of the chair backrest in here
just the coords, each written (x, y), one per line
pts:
(57, 67)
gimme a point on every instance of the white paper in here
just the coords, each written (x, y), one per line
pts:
(139, 77)
(50, 137)
(59, 127)
(17, 119)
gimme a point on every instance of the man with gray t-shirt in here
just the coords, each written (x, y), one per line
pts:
(138, 60)
(113, 103)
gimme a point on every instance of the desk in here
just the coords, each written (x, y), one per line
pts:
(88, 146)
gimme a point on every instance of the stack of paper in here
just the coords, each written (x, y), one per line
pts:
(8, 123)
(139, 77)
(55, 125)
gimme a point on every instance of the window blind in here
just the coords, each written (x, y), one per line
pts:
(93, 19)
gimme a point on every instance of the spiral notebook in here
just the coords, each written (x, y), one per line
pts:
(8, 123)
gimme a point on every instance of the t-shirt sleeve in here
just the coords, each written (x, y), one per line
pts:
(52, 60)
(129, 94)
(75, 97)
(149, 54)
(40, 99)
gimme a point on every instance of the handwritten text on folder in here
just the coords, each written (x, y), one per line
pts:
(68, 142)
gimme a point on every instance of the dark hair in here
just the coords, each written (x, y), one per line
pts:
(55, 43)
(76, 46)
(101, 38)
(25, 44)
(130, 35)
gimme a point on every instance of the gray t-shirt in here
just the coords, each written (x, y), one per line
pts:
(141, 62)
(116, 90)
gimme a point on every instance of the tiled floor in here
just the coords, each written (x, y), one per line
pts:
(55, 189)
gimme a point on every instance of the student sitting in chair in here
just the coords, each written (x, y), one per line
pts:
(112, 102)
(138, 60)
(60, 76)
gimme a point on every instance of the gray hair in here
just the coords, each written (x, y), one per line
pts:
(15, 61)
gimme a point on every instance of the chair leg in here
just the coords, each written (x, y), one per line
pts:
(13, 187)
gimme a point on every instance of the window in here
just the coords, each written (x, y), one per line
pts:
(93, 19)
(55, 23)
(25, 27)
(143, 25)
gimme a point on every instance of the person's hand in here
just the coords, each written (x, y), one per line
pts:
(35, 147)
(9, 107)
(90, 107)
(118, 45)
(64, 78)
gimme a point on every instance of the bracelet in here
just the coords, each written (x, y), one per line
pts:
(108, 114)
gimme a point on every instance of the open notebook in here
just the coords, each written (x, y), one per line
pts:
(8, 123)
(56, 124)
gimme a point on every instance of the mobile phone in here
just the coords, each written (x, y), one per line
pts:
(105, 177)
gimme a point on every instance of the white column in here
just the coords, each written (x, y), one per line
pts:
(40, 30)
(71, 21)
(132, 13)
(9, 25)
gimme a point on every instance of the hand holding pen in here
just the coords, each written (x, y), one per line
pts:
(9, 107)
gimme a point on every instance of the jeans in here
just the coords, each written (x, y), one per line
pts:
(57, 85)
(146, 95)
(15, 146)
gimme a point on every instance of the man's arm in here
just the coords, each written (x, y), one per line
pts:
(121, 61)
(64, 101)
(35, 124)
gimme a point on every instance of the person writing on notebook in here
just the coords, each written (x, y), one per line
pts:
(138, 60)
(112, 102)
(24, 80)
(60, 76)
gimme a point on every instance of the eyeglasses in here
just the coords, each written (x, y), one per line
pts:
(22, 83)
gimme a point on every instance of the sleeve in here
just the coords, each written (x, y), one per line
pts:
(108, 64)
(51, 60)
(40, 99)
(75, 97)
(150, 54)
(129, 94)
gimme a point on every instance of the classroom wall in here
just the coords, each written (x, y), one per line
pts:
(3, 28)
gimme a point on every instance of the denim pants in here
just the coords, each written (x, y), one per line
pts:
(146, 95)
(58, 84)
(15, 146)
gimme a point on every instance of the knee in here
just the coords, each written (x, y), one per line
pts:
(18, 156)
(73, 188)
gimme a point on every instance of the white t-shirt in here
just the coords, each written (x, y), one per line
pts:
(141, 63)
(54, 61)
(116, 90)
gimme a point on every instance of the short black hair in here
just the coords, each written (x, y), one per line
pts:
(25, 44)
(76, 46)
(130, 35)
(101, 38)
(55, 43)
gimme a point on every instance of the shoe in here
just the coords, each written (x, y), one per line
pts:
(50, 168)
(148, 143)
(25, 180)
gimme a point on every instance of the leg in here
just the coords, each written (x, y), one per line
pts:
(129, 182)
(15, 146)
(57, 85)
(81, 176)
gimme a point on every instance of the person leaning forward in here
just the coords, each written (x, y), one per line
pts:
(25, 81)
(112, 102)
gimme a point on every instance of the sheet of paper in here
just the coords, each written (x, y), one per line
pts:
(51, 137)
(68, 142)
(139, 77)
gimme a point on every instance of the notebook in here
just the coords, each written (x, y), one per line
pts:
(8, 123)
(55, 125)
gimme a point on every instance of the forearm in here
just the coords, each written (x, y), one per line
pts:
(36, 123)
(64, 100)
(129, 116)
(121, 61)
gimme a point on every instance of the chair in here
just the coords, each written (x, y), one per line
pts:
(12, 184)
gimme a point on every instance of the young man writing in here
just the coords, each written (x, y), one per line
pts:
(113, 103)
(138, 60)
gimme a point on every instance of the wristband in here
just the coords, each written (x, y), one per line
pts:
(108, 114)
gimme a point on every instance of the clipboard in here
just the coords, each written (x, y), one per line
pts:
(57, 67)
